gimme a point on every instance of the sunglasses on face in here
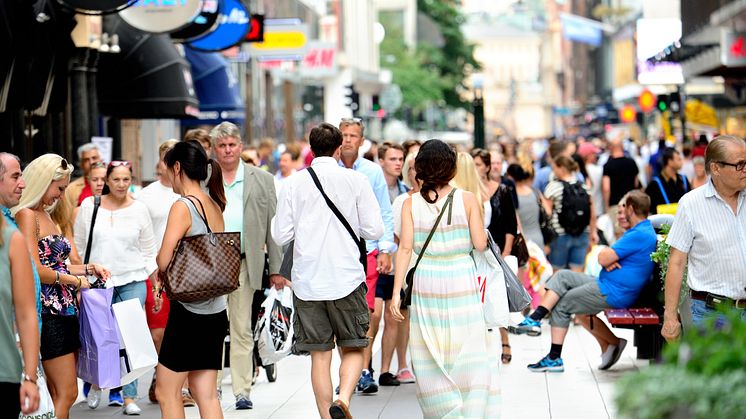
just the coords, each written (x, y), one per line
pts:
(120, 163)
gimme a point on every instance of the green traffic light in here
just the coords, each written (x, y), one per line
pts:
(662, 106)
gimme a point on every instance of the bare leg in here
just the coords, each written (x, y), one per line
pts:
(375, 320)
(168, 391)
(349, 372)
(402, 340)
(600, 331)
(507, 355)
(157, 335)
(321, 381)
(549, 299)
(388, 340)
(558, 335)
(62, 383)
(203, 390)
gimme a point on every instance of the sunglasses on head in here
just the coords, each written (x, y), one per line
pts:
(98, 165)
(120, 163)
(352, 120)
(63, 164)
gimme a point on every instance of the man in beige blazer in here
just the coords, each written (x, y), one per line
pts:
(251, 203)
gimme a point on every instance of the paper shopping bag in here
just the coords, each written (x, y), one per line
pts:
(137, 354)
(46, 405)
(98, 357)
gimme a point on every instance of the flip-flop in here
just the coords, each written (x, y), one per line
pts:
(506, 358)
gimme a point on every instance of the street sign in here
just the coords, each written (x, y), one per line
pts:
(320, 60)
(206, 21)
(390, 98)
(284, 39)
(161, 16)
(628, 114)
(647, 100)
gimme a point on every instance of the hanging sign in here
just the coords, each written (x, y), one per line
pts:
(206, 21)
(231, 30)
(96, 7)
(161, 16)
(284, 39)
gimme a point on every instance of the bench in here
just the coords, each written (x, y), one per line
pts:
(646, 324)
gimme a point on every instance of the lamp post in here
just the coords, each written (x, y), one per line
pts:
(478, 109)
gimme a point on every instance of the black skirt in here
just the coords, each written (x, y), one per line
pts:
(193, 342)
(60, 335)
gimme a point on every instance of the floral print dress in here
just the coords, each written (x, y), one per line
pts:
(56, 299)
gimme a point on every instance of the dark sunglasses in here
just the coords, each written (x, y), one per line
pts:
(63, 164)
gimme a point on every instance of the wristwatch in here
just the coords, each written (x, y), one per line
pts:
(28, 378)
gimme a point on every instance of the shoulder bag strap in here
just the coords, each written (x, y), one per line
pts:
(203, 217)
(663, 191)
(333, 207)
(686, 183)
(96, 204)
(449, 201)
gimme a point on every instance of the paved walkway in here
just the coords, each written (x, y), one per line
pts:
(582, 391)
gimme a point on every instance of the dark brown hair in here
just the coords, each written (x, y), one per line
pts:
(325, 139)
(435, 165)
(194, 162)
(483, 155)
(639, 201)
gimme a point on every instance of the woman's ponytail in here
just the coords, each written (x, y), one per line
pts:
(215, 184)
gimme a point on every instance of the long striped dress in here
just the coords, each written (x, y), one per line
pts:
(456, 367)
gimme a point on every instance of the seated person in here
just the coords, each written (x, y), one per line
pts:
(627, 268)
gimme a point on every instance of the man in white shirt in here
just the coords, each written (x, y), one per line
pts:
(708, 237)
(328, 279)
(589, 153)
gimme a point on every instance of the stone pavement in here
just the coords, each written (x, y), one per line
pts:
(582, 391)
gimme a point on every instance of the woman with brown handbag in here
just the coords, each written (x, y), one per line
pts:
(199, 326)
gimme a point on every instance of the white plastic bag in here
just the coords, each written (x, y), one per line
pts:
(274, 328)
(46, 405)
(137, 353)
(491, 286)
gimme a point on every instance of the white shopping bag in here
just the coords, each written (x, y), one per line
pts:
(137, 354)
(274, 328)
(492, 291)
(46, 406)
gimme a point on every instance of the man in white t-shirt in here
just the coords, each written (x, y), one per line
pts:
(328, 277)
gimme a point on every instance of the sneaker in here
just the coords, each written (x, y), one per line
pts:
(388, 379)
(132, 409)
(243, 403)
(547, 364)
(151, 392)
(405, 376)
(115, 398)
(366, 384)
(528, 326)
(93, 396)
(612, 355)
(187, 399)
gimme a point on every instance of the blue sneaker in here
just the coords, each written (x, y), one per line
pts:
(366, 384)
(86, 389)
(528, 326)
(115, 398)
(548, 365)
(243, 403)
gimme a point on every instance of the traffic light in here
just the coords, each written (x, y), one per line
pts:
(663, 103)
(353, 98)
(675, 103)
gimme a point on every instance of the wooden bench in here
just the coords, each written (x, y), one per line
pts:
(646, 324)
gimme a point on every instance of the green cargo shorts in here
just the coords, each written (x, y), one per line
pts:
(318, 324)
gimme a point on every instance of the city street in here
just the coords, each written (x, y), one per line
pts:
(581, 392)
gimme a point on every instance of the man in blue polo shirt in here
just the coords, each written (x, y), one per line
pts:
(627, 268)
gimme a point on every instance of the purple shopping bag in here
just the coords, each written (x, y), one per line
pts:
(98, 359)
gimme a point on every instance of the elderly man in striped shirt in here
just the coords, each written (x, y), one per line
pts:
(708, 237)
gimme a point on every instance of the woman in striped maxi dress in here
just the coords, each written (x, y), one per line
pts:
(455, 366)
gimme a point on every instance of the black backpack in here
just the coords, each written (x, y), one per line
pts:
(576, 208)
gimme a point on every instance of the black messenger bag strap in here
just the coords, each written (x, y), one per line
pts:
(358, 240)
(96, 204)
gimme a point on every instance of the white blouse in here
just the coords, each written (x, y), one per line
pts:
(123, 240)
(159, 199)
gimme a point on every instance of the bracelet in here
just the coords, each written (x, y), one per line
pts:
(57, 278)
(80, 282)
(28, 378)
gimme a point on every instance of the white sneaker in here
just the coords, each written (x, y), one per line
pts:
(132, 409)
(94, 398)
(612, 354)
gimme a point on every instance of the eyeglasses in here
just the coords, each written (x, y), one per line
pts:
(63, 164)
(120, 163)
(738, 166)
(352, 121)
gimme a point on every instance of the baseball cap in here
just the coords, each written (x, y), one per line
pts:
(587, 149)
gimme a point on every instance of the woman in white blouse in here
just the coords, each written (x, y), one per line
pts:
(123, 241)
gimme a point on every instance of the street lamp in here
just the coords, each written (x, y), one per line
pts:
(478, 109)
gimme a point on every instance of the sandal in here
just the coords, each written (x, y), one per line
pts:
(506, 358)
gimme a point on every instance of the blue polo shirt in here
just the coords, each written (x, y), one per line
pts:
(623, 286)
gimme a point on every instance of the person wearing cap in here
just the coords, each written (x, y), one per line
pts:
(589, 153)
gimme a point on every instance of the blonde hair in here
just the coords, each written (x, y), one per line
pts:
(166, 147)
(408, 163)
(39, 174)
(467, 178)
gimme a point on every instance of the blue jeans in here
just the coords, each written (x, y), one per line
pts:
(700, 312)
(128, 292)
(569, 251)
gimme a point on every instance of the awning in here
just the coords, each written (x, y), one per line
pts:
(217, 89)
(148, 79)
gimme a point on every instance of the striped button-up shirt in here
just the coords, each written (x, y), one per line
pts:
(714, 238)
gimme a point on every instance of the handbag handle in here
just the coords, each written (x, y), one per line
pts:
(96, 204)
(449, 201)
(203, 217)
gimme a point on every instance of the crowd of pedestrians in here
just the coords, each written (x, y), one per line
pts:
(383, 237)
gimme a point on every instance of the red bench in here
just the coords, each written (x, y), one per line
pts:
(647, 326)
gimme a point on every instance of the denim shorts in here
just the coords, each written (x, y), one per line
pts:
(569, 251)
